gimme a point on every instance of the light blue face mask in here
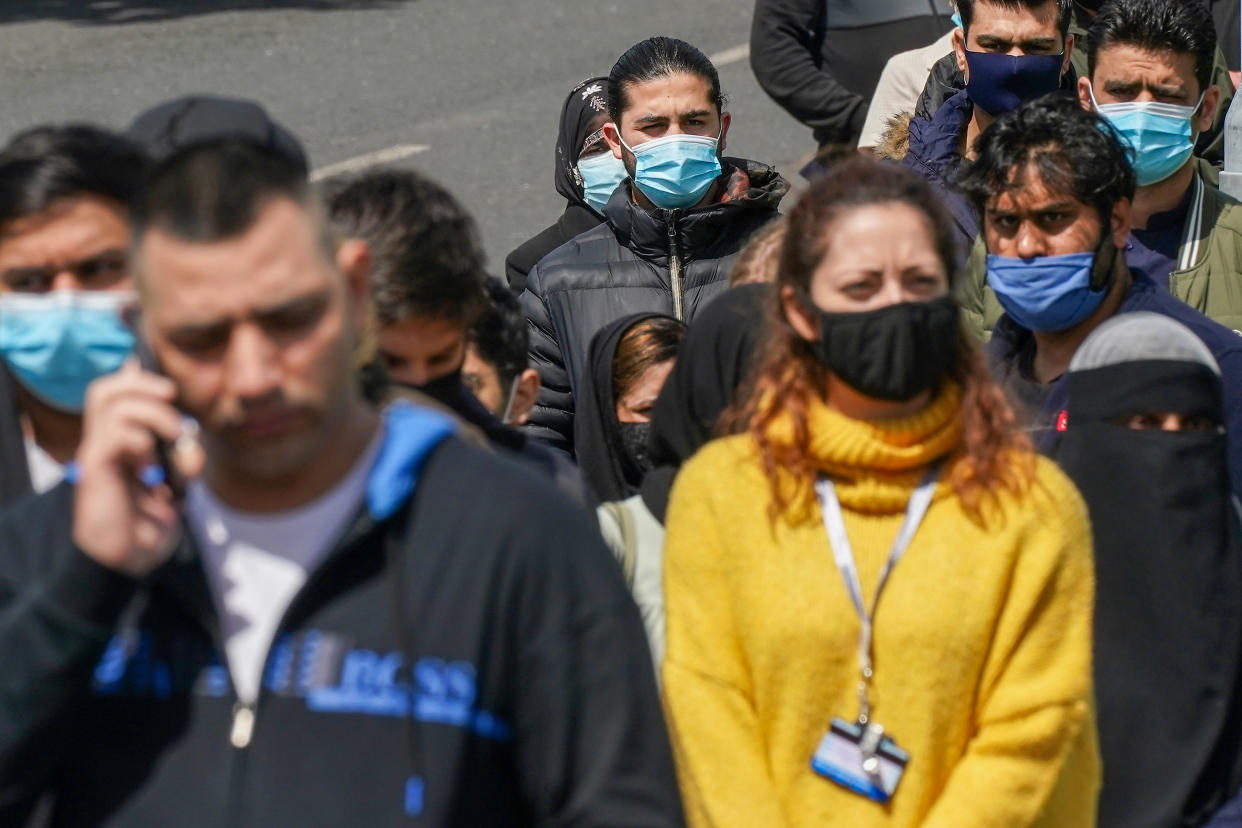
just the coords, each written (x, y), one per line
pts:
(600, 176)
(57, 343)
(1159, 135)
(956, 17)
(677, 170)
(1047, 293)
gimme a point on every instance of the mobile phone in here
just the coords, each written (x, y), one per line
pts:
(146, 359)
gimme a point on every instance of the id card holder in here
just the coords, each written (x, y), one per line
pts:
(839, 758)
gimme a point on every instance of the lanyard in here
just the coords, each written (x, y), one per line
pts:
(843, 554)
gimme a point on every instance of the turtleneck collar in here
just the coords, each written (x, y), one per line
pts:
(876, 464)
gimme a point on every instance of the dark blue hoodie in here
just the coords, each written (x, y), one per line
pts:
(934, 155)
(467, 654)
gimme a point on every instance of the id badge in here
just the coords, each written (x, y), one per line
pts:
(839, 758)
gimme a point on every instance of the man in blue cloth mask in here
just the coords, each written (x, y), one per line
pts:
(64, 282)
(1150, 76)
(671, 230)
(1010, 51)
(1055, 188)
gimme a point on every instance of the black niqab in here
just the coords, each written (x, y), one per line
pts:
(1168, 612)
(598, 444)
(712, 362)
(587, 100)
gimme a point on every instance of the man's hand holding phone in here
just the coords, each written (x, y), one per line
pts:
(118, 519)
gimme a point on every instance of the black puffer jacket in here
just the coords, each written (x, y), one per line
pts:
(664, 261)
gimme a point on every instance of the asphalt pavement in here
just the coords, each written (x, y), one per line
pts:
(468, 91)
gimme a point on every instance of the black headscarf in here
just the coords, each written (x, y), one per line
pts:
(1168, 560)
(712, 362)
(613, 475)
(587, 100)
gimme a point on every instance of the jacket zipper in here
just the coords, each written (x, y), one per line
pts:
(245, 716)
(675, 267)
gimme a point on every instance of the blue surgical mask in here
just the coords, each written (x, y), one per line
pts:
(1002, 83)
(1046, 293)
(956, 17)
(1159, 135)
(57, 343)
(676, 170)
(600, 176)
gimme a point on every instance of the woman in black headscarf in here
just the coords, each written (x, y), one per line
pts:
(586, 174)
(713, 360)
(627, 364)
(1145, 444)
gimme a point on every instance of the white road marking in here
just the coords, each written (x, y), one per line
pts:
(740, 52)
(370, 159)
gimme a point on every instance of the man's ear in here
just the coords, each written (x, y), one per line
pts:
(612, 134)
(959, 49)
(353, 257)
(524, 396)
(725, 120)
(1069, 55)
(1121, 222)
(1207, 111)
(800, 319)
(1084, 94)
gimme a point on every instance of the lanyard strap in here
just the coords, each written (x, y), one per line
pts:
(843, 554)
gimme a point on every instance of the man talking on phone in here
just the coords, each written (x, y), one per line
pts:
(354, 617)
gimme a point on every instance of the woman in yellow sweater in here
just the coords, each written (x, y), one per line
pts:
(966, 699)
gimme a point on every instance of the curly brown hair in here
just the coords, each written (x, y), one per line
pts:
(993, 453)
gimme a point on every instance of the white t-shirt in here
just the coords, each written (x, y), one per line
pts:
(45, 472)
(257, 562)
(900, 85)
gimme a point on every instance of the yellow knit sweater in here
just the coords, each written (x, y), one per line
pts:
(982, 639)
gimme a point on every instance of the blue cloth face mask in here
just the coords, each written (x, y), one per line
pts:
(677, 170)
(1002, 83)
(600, 176)
(57, 343)
(1159, 135)
(1046, 293)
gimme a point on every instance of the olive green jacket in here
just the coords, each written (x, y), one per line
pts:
(1208, 276)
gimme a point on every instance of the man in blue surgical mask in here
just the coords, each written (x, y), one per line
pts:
(1056, 191)
(64, 282)
(671, 230)
(1010, 52)
(1150, 76)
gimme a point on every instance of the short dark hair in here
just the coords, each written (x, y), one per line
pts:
(1075, 150)
(1065, 11)
(426, 259)
(659, 57)
(499, 335)
(215, 191)
(1179, 26)
(41, 166)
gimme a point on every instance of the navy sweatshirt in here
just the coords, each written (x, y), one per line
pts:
(467, 655)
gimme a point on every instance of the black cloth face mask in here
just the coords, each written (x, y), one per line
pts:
(892, 353)
(635, 442)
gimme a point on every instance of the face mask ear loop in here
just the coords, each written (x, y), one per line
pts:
(1094, 103)
(513, 387)
(1105, 259)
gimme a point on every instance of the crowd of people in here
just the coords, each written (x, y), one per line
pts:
(904, 499)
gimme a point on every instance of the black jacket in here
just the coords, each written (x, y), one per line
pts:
(467, 654)
(820, 59)
(663, 261)
(14, 469)
(576, 219)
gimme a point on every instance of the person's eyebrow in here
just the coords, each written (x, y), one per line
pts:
(1038, 43)
(1168, 90)
(1122, 87)
(993, 41)
(651, 118)
(695, 113)
(1064, 204)
(298, 304)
